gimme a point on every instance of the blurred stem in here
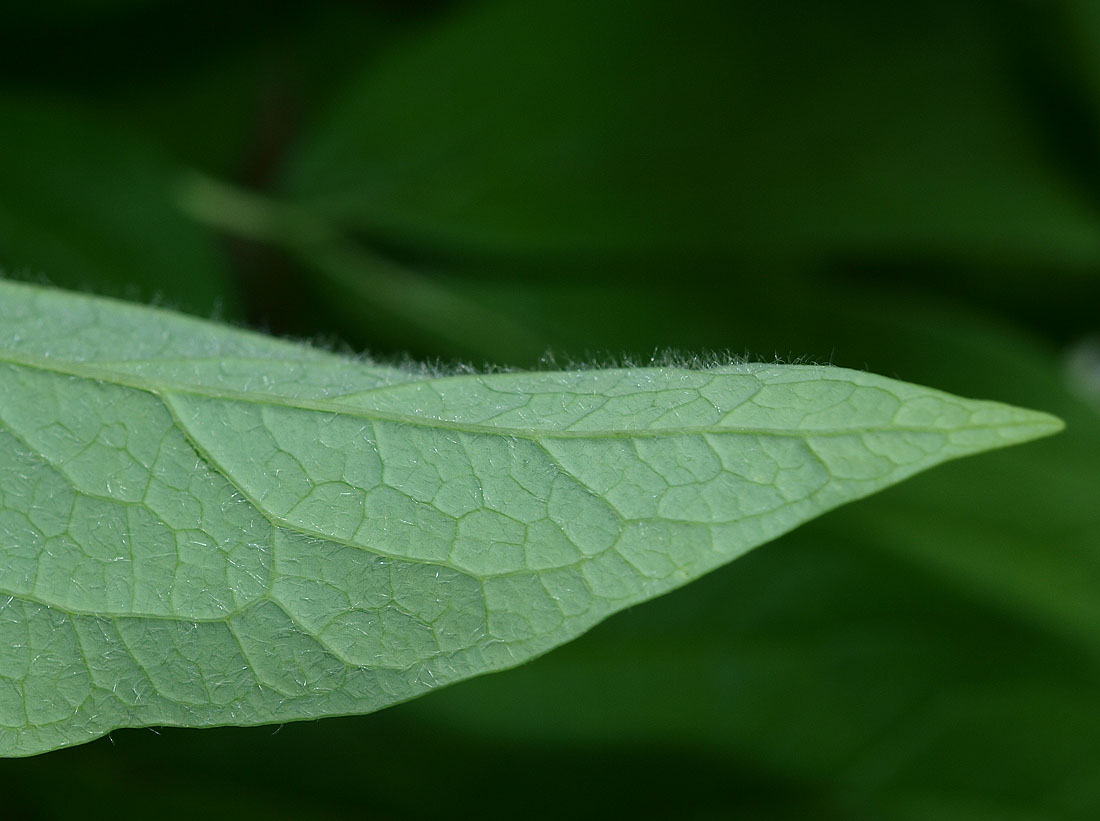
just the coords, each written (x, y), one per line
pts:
(416, 300)
(250, 215)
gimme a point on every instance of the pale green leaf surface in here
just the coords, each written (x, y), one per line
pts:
(202, 526)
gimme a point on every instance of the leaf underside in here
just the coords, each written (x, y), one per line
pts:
(201, 526)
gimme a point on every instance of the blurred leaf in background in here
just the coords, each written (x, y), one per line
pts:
(909, 188)
(84, 206)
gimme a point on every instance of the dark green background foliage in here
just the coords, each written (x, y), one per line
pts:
(911, 188)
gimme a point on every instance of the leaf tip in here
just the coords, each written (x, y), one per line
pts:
(1046, 424)
(1022, 425)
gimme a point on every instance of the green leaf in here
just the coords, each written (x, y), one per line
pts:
(636, 126)
(939, 639)
(89, 205)
(202, 526)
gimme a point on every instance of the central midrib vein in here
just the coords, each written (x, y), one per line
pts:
(161, 388)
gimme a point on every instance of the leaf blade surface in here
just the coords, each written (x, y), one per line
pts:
(201, 526)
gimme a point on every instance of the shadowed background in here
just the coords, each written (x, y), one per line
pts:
(912, 189)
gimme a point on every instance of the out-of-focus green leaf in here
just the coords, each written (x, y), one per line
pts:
(86, 206)
(785, 129)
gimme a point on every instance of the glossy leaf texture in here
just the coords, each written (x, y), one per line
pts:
(202, 526)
